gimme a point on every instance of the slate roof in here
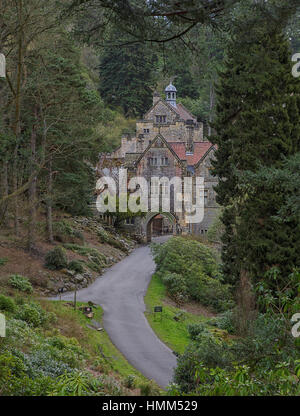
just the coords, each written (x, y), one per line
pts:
(171, 87)
(184, 113)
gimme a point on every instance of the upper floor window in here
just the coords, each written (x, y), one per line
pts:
(152, 161)
(161, 119)
(146, 131)
(205, 195)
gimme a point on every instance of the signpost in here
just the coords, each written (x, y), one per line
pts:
(60, 291)
(158, 309)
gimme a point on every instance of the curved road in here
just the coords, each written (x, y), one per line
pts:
(120, 292)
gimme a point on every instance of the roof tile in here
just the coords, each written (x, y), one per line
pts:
(200, 148)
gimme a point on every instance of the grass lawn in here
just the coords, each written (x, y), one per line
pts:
(173, 333)
(74, 322)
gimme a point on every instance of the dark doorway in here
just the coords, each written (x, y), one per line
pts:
(159, 225)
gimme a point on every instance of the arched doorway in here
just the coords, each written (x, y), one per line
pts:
(159, 223)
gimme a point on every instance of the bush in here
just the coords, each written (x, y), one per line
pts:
(76, 265)
(195, 330)
(56, 259)
(176, 287)
(34, 315)
(189, 270)
(225, 321)
(21, 283)
(207, 350)
(41, 363)
(269, 348)
(64, 232)
(7, 304)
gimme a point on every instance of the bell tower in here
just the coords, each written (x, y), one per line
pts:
(171, 94)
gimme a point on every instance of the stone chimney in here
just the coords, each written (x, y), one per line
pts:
(190, 140)
(156, 97)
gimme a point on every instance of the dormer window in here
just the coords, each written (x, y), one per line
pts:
(161, 119)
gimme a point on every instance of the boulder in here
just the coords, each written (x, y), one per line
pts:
(79, 278)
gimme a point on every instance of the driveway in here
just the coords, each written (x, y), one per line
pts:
(120, 292)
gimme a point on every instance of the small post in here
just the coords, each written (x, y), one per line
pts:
(60, 290)
(75, 297)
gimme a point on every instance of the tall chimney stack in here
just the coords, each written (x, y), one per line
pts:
(156, 97)
(190, 140)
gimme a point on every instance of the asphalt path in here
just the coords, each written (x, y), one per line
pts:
(120, 292)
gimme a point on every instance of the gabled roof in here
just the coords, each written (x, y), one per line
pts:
(184, 113)
(179, 110)
(200, 151)
(166, 143)
(170, 107)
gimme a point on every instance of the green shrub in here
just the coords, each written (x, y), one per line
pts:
(195, 330)
(76, 265)
(176, 287)
(56, 259)
(64, 232)
(96, 260)
(21, 283)
(225, 321)
(76, 383)
(207, 350)
(34, 315)
(29, 314)
(268, 349)
(7, 304)
(190, 271)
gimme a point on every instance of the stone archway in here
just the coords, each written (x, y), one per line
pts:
(150, 217)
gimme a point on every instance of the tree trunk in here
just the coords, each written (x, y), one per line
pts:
(211, 106)
(4, 186)
(49, 205)
(15, 187)
(32, 190)
(17, 128)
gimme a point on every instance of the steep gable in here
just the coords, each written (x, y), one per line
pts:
(162, 108)
(158, 142)
(200, 151)
(184, 114)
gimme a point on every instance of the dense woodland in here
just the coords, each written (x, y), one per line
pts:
(78, 74)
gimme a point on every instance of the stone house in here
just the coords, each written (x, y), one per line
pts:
(168, 142)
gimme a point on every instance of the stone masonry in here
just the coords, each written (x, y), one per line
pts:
(168, 142)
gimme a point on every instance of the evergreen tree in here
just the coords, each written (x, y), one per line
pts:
(257, 124)
(127, 78)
